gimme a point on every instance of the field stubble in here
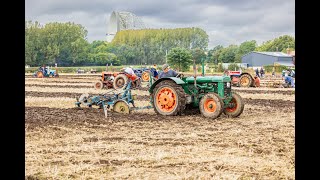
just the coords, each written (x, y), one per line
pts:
(79, 143)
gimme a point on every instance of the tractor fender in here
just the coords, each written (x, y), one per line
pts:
(246, 73)
(176, 80)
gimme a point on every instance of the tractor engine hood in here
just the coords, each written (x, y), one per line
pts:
(209, 79)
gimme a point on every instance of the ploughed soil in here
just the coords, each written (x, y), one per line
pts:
(275, 103)
(81, 143)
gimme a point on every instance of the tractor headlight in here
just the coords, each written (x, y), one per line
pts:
(228, 85)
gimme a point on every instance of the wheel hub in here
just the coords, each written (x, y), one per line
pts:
(166, 100)
(232, 106)
(244, 80)
(146, 76)
(210, 105)
(121, 107)
(120, 82)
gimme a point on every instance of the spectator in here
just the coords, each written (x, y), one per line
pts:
(262, 72)
(273, 72)
(167, 72)
(288, 79)
(257, 73)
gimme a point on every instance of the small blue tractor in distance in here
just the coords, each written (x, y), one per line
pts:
(45, 72)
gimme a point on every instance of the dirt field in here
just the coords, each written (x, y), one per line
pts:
(65, 142)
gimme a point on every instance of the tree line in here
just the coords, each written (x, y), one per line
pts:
(67, 45)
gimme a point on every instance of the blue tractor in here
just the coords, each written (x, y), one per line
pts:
(45, 72)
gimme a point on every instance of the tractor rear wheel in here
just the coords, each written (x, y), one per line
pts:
(120, 81)
(245, 80)
(40, 74)
(237, 106)
(169, 98)
(98, 85)
(145, 76)
(211, 105)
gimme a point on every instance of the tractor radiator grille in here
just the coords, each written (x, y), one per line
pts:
(227, 90)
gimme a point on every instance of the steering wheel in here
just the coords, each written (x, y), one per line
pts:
(179, 75)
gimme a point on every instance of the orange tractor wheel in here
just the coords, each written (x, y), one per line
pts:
(98, 85)
(211, 105)
(237, 106)
(145, 76)
(168, 98)
(245, 80)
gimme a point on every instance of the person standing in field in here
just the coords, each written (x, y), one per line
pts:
(262, 72)
(257, 73)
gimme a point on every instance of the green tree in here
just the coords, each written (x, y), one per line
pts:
(198, 54)
(180, 58)
(244, 48)
(62, 43)
(150, 45)
(216, 51)
(228, 54)
(32, 42)
(279, 44)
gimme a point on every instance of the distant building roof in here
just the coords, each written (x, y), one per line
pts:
(277, 54)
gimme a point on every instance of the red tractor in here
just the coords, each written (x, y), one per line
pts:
(116, 80)
(243, 79)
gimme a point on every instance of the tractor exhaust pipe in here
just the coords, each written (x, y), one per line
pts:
(195, 73)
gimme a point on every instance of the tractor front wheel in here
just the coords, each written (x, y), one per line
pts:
(98, 85)
(211, 105)
(245, 80)
(236, 106)
(145, 76)
(168, 98)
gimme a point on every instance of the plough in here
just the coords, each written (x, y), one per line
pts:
(118, 102)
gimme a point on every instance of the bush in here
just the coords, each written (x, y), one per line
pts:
(220, 68)
(74, 69)
(278, 69)
(233, 67)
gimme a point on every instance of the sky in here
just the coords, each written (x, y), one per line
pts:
(225, 21)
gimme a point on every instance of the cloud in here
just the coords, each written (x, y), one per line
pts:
(226, 22)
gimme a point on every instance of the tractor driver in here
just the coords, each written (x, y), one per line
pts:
(167, 72)
(128, 70)
(44, 69)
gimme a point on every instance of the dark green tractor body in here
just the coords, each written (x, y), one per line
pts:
(211, 92)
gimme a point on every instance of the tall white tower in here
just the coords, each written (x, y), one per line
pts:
(121, 20)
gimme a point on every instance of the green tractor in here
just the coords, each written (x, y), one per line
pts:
(211, 94)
